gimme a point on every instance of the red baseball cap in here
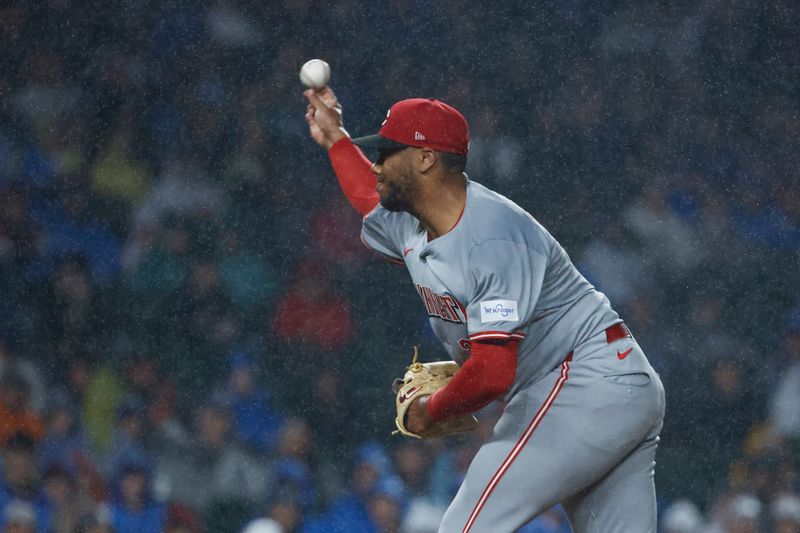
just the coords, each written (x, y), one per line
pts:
(423, 123)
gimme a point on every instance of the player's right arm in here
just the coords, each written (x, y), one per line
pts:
(324, 119)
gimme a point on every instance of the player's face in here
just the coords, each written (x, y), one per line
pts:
(397, 183)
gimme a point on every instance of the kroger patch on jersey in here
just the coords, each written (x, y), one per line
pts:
(499, 311)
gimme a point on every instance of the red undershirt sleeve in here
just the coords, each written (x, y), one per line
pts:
(355, 177)
(486, 375)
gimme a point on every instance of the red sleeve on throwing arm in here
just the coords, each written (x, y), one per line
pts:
(487, 374)
(355, 177)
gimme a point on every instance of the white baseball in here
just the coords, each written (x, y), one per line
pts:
(315, 74)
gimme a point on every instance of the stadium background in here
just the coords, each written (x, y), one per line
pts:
(192, 335)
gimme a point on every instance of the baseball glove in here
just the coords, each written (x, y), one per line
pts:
(423, 379)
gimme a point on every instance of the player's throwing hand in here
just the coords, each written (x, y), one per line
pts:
(324, 116)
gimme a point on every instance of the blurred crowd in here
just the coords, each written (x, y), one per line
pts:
(193, 339)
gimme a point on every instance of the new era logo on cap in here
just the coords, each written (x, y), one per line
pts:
(424, 123)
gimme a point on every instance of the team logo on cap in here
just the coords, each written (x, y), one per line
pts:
(418, 136)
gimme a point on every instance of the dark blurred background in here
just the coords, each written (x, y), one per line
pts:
(192, 337)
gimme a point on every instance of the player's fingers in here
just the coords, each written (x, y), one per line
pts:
(314, 99)
(310, 96)
(327, 95)
(326, 92)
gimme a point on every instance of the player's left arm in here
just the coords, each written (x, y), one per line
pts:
(484, 377)
(505, 281)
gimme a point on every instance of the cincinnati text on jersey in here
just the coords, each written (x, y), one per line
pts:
(441, 306)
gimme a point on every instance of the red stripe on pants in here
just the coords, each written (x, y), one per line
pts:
(523, 440)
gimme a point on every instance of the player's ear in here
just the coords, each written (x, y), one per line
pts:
(426, 159)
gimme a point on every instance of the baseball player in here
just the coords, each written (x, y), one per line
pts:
(583, 407)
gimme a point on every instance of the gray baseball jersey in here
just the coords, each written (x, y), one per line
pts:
(499, 274)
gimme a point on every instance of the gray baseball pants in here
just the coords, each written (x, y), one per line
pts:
(584, 436)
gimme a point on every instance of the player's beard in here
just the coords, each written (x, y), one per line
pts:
(398, 194)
